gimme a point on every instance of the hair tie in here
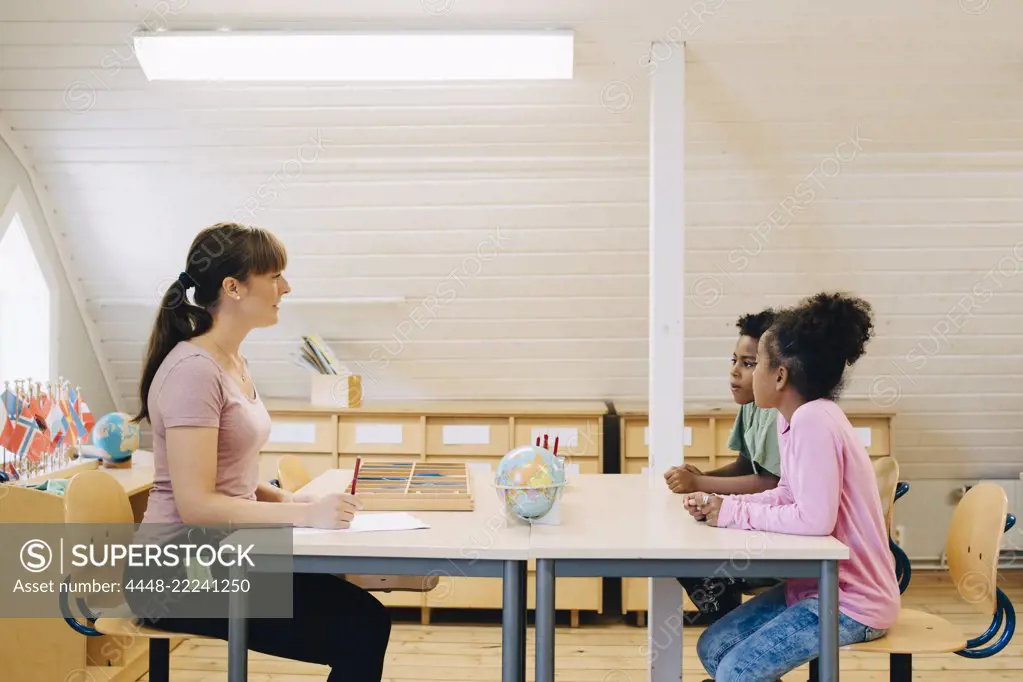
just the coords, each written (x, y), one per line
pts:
(186, 280)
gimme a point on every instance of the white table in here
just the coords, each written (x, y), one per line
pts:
(478, 543)
(631, 525)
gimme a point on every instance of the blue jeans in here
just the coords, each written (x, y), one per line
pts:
(763, 639)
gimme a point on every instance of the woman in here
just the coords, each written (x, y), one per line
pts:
(827, 487)
(209, 424)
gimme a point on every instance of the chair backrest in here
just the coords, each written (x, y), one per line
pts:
(886, 470)
(974, 542)
(292, 473)
(96, 497)
(27, 505)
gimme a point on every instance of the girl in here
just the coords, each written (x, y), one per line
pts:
(209, 424)
(827, 487)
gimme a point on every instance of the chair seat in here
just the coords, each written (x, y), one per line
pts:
(121, 621)
(129, 627)
(394, 583)
(916, 632)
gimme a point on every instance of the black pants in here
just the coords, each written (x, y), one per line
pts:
(714, 597)
(334, 623)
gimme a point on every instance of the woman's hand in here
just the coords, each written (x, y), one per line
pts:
(334, 511)
(690, 502)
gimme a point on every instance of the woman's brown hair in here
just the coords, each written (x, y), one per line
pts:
(220, 251)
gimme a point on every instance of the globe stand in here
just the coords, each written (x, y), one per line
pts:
(111, 464)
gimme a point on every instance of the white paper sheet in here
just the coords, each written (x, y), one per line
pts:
(370, 522)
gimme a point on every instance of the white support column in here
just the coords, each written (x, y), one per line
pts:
(667, 293)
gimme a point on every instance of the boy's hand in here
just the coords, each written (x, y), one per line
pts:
(681, 480)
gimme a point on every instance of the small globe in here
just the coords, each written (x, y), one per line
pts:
(529, 481)
(117, 436)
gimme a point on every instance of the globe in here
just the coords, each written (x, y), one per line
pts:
(117, 436)
(529, 481)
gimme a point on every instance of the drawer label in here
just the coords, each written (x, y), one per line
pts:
(567, 437)
(466, 434)
(291, 432)
(379, 434)
(687, 435)
(864, 433)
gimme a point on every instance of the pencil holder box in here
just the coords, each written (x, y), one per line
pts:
(335, 390)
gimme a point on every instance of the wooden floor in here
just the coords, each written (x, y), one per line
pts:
(607, 649)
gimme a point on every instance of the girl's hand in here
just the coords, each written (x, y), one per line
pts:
(709, 506)
(691, 503)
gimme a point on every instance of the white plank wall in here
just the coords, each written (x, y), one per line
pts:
(873, 147)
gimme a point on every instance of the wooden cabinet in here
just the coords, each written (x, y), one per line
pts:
(707, 430)
(429, 431)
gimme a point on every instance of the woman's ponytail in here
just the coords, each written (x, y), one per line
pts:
(177, 321)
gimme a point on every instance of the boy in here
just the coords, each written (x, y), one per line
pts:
(756, 468)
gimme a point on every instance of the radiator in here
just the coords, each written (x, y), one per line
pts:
(1012, 542)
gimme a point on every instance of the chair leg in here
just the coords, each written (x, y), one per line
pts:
(159, 660)
(815, 671)
(900, 667)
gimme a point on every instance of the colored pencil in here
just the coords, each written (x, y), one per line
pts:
(355, 476)
(556, 444)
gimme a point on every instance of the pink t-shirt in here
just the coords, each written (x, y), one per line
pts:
(827, 487)
(191, 389)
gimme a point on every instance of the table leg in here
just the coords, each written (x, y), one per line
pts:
(545, 620)
(829, 622)
(513, 623)
(237, 633)
(524, 610)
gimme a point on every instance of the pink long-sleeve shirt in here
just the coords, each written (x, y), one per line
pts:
(827, 487)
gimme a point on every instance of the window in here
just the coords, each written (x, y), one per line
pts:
(25, 329)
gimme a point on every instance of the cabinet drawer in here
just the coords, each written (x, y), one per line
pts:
(636, 592)
(577, 437)
(379, 435)
(570, 594)
(299, 433)
(467, 436)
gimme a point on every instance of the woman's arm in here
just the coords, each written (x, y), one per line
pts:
(806, 501)
(271, 493)
(192, 462)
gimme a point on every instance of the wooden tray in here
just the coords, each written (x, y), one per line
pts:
(410, 486)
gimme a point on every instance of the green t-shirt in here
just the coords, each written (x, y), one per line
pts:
(755, 437)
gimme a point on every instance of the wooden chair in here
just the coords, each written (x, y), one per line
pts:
(95, 497)
(292, 473)
(973, 544)
(886, 469)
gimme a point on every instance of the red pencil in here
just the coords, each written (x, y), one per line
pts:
(355, 476)
(556, 444)
(545, 441)
(538, 441)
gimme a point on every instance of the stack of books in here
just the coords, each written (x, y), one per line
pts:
(332, 384)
